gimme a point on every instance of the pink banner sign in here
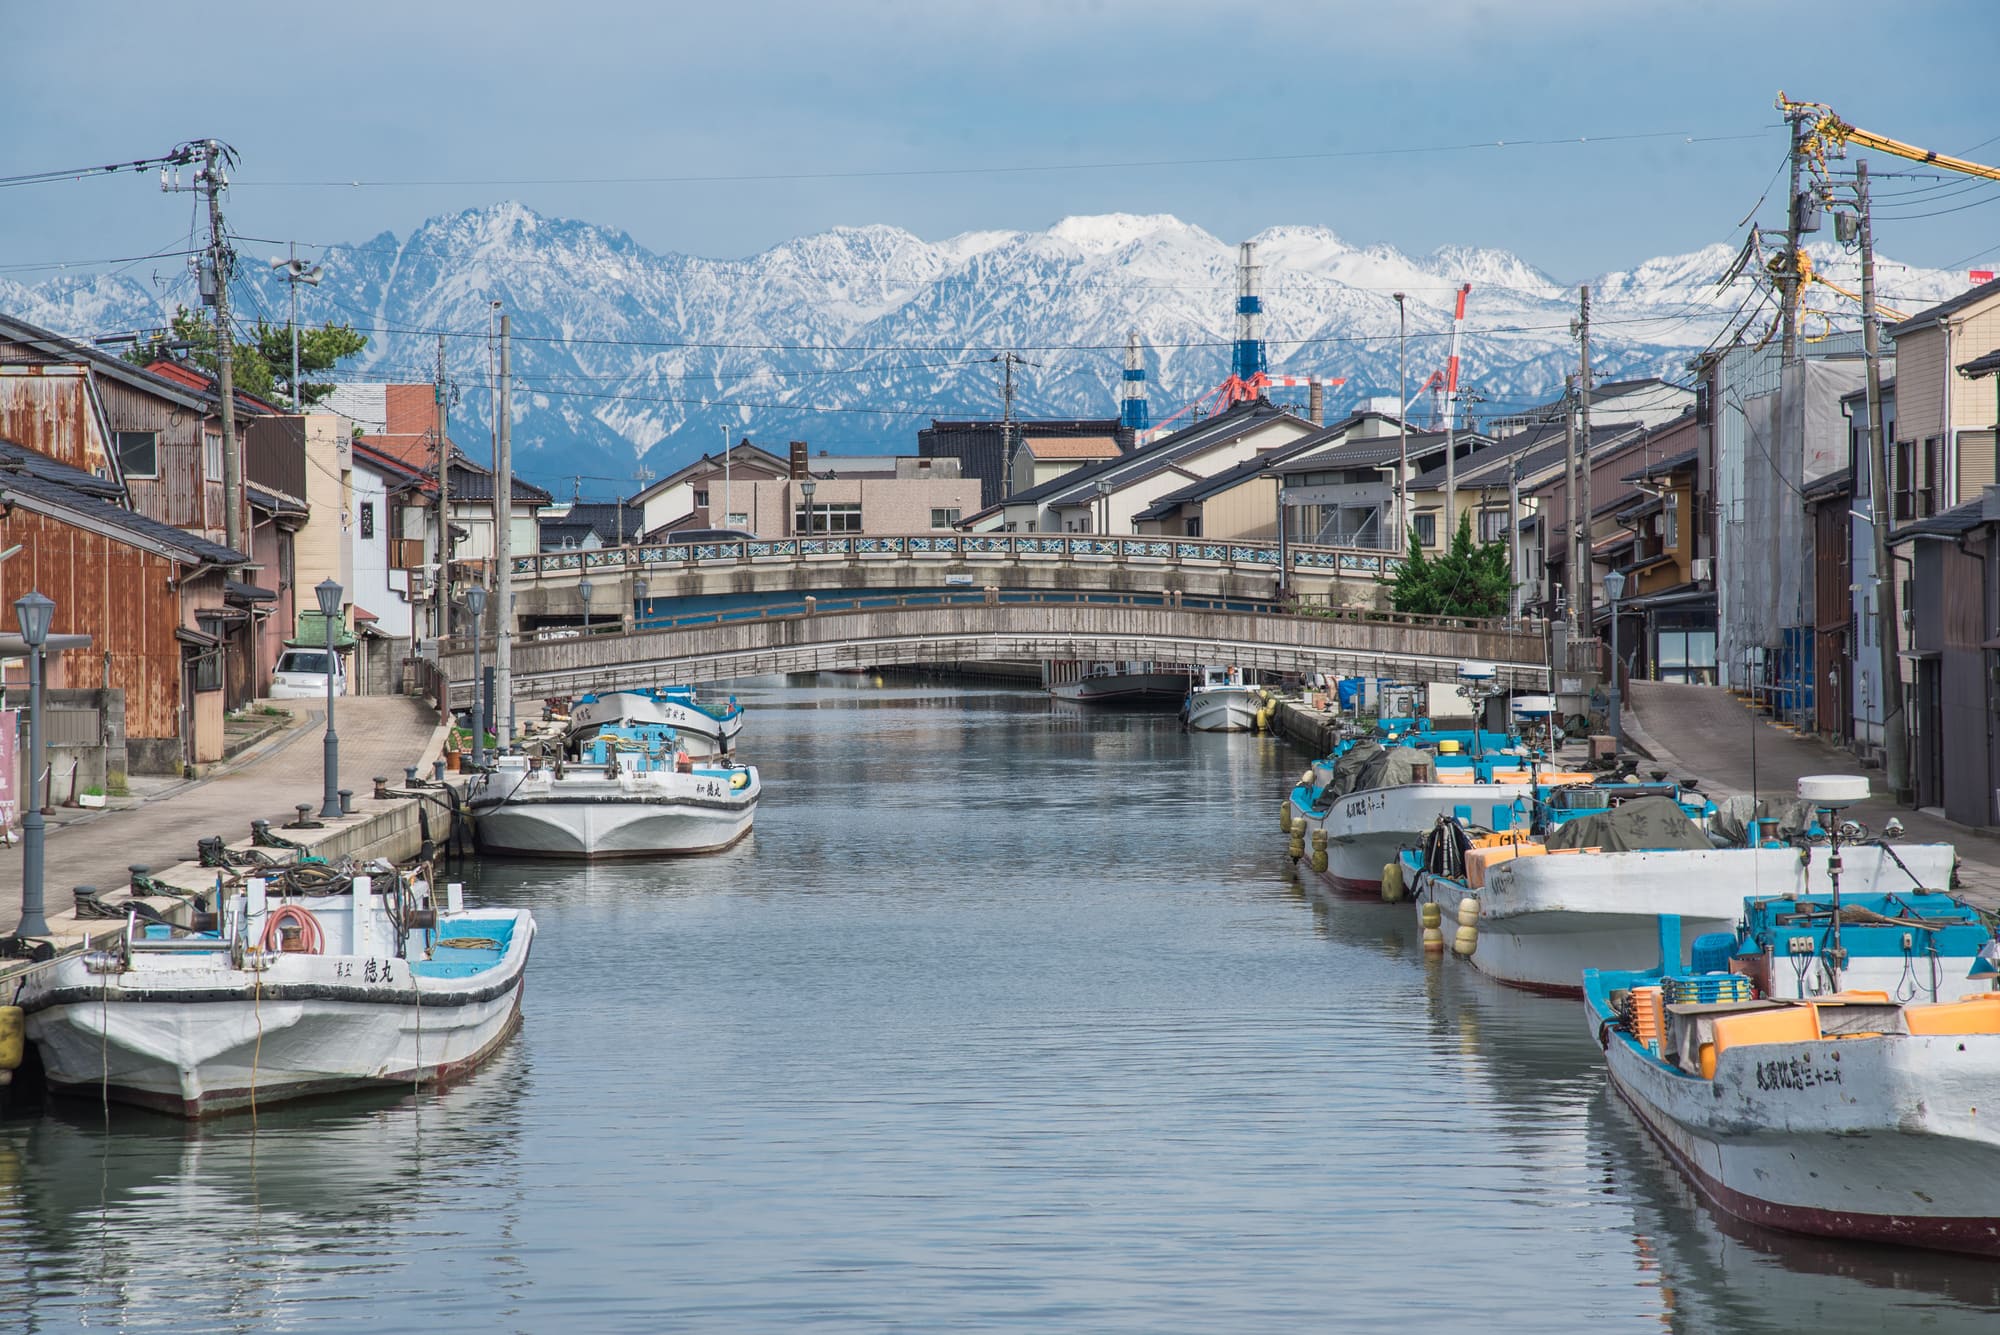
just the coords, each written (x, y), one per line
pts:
(10, 768)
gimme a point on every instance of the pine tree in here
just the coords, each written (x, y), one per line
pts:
(261, 367)
(1465, 580)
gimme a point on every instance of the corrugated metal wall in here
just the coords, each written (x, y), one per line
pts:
(118, 595)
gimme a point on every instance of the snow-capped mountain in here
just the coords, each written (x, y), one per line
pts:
(854, 338)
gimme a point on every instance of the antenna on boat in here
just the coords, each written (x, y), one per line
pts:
(1831, 794)
(1477, 685)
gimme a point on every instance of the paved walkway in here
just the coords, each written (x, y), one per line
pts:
(379, 734)
(1707, 733)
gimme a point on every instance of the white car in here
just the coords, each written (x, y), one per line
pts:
(301, 675)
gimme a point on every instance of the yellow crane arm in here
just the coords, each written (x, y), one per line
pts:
(1828, 128)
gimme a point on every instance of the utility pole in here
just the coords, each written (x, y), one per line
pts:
(1895, 757)
(503, 542)
(1514, 536)
(1585, 593)
(1008, 361)
(1569, 498)
(296, 273)
(1788, 276)
(441, 600)
(220, 260)
(1402, 424)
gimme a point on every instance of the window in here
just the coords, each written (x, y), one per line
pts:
(701, 498)
(139, 453)
(367, 519)
(1918, 469)
(208, 671)
(1427, 528)
(1492, 525)
(736, 519)
(1672, 516)
(947, 518)
(212, 455)
(828, 517)
(1194, 528)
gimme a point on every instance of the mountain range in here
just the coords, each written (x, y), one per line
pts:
(629, 362)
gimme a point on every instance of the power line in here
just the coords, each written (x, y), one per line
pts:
(891, 173)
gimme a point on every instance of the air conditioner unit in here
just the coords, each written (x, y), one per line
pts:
(1702, 568)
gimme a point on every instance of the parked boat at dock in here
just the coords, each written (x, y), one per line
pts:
(630, 793)
(1849, 1115)
(1121, 683)
(1536, 910)
(1218, 700)
(297, 994)
(703, 729)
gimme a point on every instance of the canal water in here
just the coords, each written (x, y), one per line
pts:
(1009, 1017)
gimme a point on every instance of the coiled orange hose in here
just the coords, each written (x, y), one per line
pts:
(312, 939)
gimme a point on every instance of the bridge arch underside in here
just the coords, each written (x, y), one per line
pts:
(1000, 633)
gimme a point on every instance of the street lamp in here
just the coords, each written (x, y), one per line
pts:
(34, 613)
(1614, 589)
(475, 603)
(640, 591)
(583, 591)
(808, 487)
(1104, 496)
(328, 593)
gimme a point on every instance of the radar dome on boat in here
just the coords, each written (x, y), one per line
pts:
(1833, 790)
(1535, 706)
(1473, 670)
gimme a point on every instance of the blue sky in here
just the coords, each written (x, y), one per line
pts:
(889, 111)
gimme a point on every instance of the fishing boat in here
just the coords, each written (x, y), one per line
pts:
(1380, 791)
(1534, 908)
(703, 729)
(1849, 1115)
(1120, 683)
(1218, 700)
(297, 994)
(630, 792)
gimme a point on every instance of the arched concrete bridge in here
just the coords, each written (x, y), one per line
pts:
(817, 635)
(545, 585)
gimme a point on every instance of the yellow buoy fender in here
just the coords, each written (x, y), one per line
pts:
(1285, 816)
(1468, 912)
(1466, 940)
(1392, 883)
(739, 780)
(1433, 939)
(1431, 915)
(12, 1037)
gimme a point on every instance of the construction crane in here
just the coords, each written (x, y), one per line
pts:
(1824, 133)
(1825, 129)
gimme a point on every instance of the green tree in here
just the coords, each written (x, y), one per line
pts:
(1466, 580)
(261, 366)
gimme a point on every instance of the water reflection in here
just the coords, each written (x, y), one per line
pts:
(1004, 1018)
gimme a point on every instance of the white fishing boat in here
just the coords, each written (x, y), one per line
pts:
(1850, 1116)
(1542, 915)
(1124, 683)
(296, 995)
(631, 795)
(703, 729)
(1219, 701)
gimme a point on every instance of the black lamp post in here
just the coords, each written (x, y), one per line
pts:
(475, 603)
(583, 591)
(808, 486)
(328, 591)
(35, 614)
(640, 590)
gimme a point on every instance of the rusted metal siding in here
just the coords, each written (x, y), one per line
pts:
(179, 494)
(118, 595)
(48, 409)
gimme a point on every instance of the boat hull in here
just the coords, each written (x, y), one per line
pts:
(1870, 1139)
(1367, 830)
(1124, 688)
(200, 1039)
(1543, 920)
(610, 827)
(1223, 708)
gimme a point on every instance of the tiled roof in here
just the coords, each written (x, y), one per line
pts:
(40, 465)
(1952, 523)
(1071, 447)
(39, 494)
(470, 482)
(1943, 309)
(1078, 485)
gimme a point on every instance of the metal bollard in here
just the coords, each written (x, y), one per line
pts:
(437, 770)
(381, 787)
(138, 871)
(410, 775)
(346, 801)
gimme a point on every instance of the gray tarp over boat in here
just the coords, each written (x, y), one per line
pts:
(1350, 765)
(1646, 822)
(1392, 768)
(1731, 822)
